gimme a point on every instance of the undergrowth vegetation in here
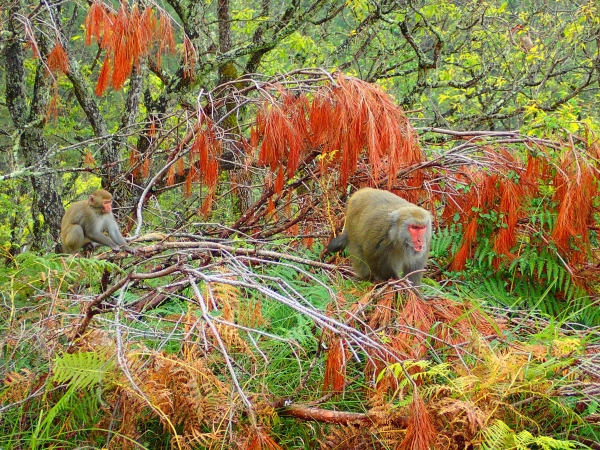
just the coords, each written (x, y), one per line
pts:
(244, 350)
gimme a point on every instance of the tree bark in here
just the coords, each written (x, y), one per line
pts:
(30, 125)
(239, 177)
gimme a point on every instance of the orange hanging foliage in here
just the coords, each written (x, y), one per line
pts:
(171, 175)
(103, 78)
(187, 186)
(208, 202)
(57, 59)
(189, 58)
(134, 159)
(167, 41)
(420, 432)
(53, 105)
(460, 258)
(342, 121)
(254, 138)
(146, 167)
(271, 206)
(510, 202)
(96, 22)
(89, 160)
(511, 187)
(575, 184)
(506, 191)
(180, 167)
(205, 149)
(123, 46)
(294, 230)
(152, 129)
(279, 181)
(126, 36)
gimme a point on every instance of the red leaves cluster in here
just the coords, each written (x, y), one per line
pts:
(576, 186)
(57, 59)
(203, 162)
(339, 122)
(126, 35)
(508, 191)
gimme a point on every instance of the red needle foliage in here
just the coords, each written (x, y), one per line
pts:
(126, 35)
(508, 191)
(336, 123)
(335, 370)
(57, 59)
(339, 122)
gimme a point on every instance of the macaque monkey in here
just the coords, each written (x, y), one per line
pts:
(387, 236)
(526, 43)
(87, 220)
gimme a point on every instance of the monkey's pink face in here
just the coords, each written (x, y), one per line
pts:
(417, 235)
(106, 206)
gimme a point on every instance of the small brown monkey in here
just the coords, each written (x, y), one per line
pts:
(87, 220)
(387, 236)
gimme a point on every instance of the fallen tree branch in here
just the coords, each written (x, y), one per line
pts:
(328, 416)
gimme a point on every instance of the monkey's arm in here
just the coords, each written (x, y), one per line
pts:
(101, 238)
(117, 237)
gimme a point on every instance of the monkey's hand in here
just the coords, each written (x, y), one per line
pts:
(128, 249)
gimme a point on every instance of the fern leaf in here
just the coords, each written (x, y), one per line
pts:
(561, 278)
(541, 263)
(81, 370)
(497, 436)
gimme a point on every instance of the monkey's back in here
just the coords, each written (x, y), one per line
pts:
(368, 222)
(74, 214)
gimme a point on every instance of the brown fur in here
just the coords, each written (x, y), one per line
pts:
(377, 237)
(87, 220)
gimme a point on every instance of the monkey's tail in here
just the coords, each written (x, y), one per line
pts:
(338, 244)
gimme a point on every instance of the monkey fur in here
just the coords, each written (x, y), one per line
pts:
(87, 220)
(380, 236)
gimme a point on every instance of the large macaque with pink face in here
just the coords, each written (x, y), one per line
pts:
(387, 236)
(87, 220)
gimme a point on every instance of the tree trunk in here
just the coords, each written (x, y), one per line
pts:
(32, 145)
(239, 177)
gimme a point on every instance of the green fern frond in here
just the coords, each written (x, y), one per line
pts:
(543, 218)
(29, 270)
(494, 286)
(82, 370)
(443, 240)
(499, 436)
